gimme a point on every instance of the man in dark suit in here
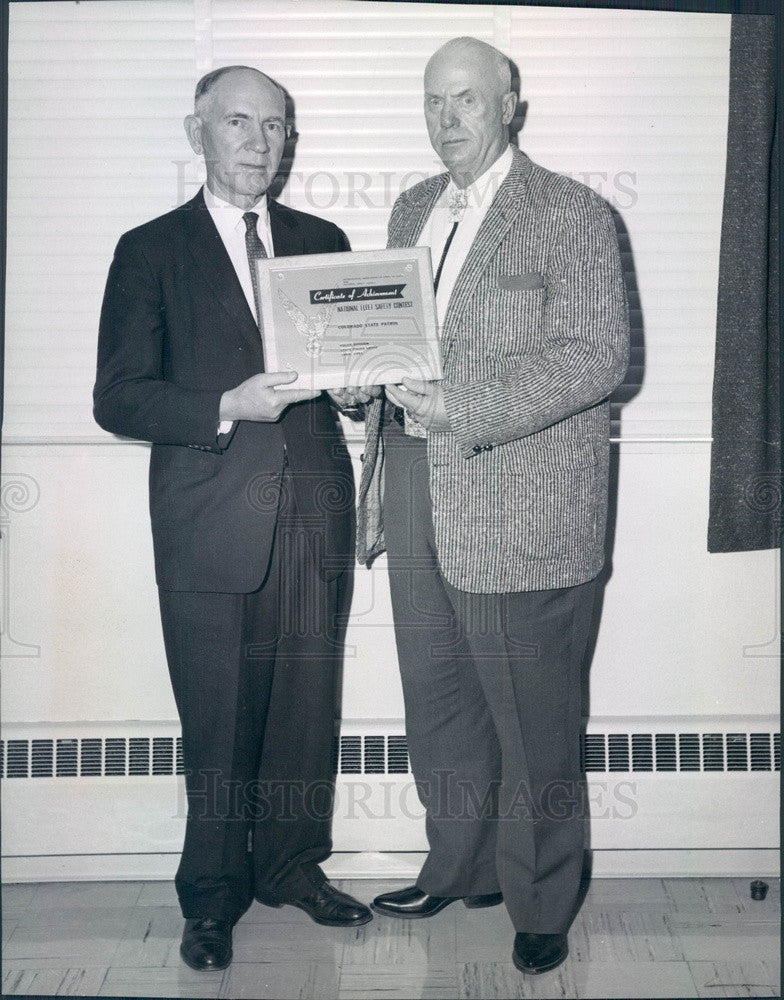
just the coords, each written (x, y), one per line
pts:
(494, 507)
(251, 502)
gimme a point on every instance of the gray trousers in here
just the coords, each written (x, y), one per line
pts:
(492, 690)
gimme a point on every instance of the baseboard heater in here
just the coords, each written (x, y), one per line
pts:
(655, 784)
(673, 746)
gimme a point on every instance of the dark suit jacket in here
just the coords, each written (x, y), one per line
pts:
(176, 332)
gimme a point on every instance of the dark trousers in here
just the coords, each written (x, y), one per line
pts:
(255, 677)
(492, 693)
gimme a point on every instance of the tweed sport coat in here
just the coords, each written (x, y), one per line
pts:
(535, 338)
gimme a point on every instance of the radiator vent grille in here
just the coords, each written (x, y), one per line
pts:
(388, 754)
(666, 752)
(91, 757)
(163, 755)
(351, 755)
(397, 755)
(642, 752)
(375, 754)
(639, 752)
(115, 757)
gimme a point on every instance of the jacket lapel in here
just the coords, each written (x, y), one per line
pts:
(406, 229)
(504, 210)
(287, 238)
(206, 246)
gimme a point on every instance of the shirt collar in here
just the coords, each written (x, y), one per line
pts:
(481, 193)
(228, 217)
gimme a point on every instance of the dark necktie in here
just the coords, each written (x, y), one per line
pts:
(444, 253)
(256, 251)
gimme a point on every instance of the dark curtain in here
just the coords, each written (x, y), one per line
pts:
(745, 483)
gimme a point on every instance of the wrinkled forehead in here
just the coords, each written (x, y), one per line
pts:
(457, 71)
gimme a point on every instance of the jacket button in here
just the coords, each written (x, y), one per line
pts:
(488, 447)
(477, 448)
(362, 457)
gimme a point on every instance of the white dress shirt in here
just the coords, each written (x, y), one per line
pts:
(231, 227)
(436, 230)
(479, 197)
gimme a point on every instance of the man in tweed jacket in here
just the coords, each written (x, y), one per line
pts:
(494, 516)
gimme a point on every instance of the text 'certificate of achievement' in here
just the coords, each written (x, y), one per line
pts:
(338, 319)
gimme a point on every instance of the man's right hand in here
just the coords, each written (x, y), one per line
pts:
(257, 398)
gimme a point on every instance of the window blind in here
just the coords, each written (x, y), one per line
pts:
(632, 103)
(97, 92)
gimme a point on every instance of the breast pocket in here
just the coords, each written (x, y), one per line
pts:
(521, 282)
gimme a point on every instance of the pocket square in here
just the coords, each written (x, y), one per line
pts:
(520, 282)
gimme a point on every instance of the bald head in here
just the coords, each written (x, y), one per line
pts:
(485, 60)
(469, 104)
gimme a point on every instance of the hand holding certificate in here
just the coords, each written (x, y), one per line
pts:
(349, 319)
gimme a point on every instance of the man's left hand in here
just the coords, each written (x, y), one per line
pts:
(424, 401)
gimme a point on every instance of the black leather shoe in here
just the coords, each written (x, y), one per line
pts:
(206, 943)
(333, 908)
(410, 903)
(480, 902)
(536, 953)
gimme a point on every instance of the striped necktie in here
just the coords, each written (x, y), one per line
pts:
(256, 251)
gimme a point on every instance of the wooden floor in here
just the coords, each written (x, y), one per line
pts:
(632, 938)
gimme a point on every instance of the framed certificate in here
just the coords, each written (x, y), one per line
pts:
(339, 319)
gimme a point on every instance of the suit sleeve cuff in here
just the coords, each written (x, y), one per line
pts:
(467, 406)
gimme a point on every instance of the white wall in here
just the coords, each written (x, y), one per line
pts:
(633, 103)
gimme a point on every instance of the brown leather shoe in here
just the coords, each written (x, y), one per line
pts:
(535, 953)
(206, 943)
